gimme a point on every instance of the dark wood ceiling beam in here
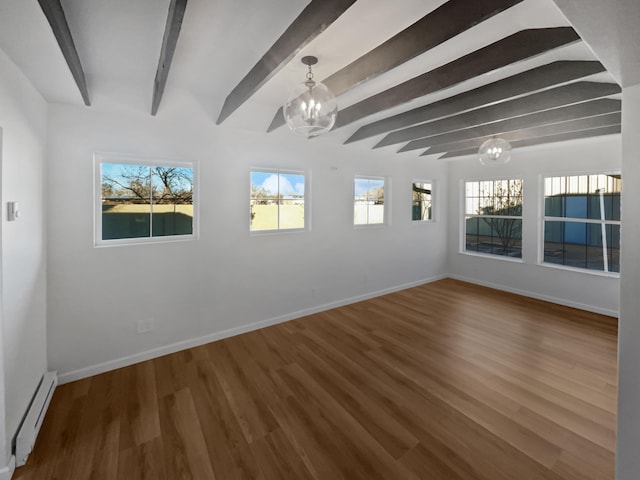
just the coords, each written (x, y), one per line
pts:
(450, 19)
(594, 132)
(514, 48)
(313, 20)
(169, 42)
(537, 102)
(54, 12)
(550, 75)
(581, 110)
(535, 132)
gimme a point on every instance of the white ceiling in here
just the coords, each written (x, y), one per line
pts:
(612, 30)
(119, 44)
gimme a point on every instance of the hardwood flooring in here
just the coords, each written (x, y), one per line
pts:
(446, 381)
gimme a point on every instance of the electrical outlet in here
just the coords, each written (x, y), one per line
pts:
(145, 325)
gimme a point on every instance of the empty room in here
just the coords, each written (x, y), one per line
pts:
(319, 239)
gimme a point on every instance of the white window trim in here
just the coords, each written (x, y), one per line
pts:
(387, 201)
(462, 215)
(307, 202)
(434, 190)
(542, 219)
(129, 159)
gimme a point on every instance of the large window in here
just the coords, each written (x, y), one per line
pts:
(138, 201)
(493, 217)
(582, 221)
(277, 200)
(368, 201)
(421, 205)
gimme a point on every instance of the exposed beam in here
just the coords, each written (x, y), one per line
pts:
(169, 42)
(535, 132)
(313, 20)
(450, 19)
(594, 132)
(550, 75)
(537, 102)
(556, 115)
(55, 16)
(514, 48)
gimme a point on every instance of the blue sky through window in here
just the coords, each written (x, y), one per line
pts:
(364, 185)
(287, 184)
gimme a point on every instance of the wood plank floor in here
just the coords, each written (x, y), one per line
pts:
(447, 381)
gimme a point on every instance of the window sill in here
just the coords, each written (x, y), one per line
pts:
(365, 226)
(284, 231)
(503, 258)
(598, 273)
(144, 241)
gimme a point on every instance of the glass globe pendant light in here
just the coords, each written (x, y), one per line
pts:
(311, 108)
(494, 151)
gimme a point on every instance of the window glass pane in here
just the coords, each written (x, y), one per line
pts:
(472, 240)
(291, 200)
(554, 242)
(264, 201)
(613, 247)
(494, 235)
(576, 206)
(579, 245)
(126, 201)
(172, 208)
(421, 205)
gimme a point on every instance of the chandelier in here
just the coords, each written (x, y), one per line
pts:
(311, 108)
(494, 151)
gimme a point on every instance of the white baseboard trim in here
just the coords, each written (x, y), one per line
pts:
(7, 472)
(195, 342)
(546, 298)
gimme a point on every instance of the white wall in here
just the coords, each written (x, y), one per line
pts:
(627, 459)
(23, 260)
(582, 290)
(227, 280)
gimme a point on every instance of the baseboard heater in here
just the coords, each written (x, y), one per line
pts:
(30, 427)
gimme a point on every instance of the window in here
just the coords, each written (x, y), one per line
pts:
(493, 217)
(421, 208)
(138, 201)
(368, 201)
(277, 200)
(582, 221)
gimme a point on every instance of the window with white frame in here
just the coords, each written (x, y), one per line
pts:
(421, 205)
(582, 221)
(143, 201)
(368, 201)
(277, 200)
(493, 217)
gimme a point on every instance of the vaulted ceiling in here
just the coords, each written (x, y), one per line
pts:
(417, 77)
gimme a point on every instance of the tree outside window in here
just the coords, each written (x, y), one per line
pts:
(493, 217)
(144, 201)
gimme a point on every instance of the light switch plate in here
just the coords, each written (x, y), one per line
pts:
(13, 211)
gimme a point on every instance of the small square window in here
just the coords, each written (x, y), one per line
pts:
(277, 200)
(139, 201)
